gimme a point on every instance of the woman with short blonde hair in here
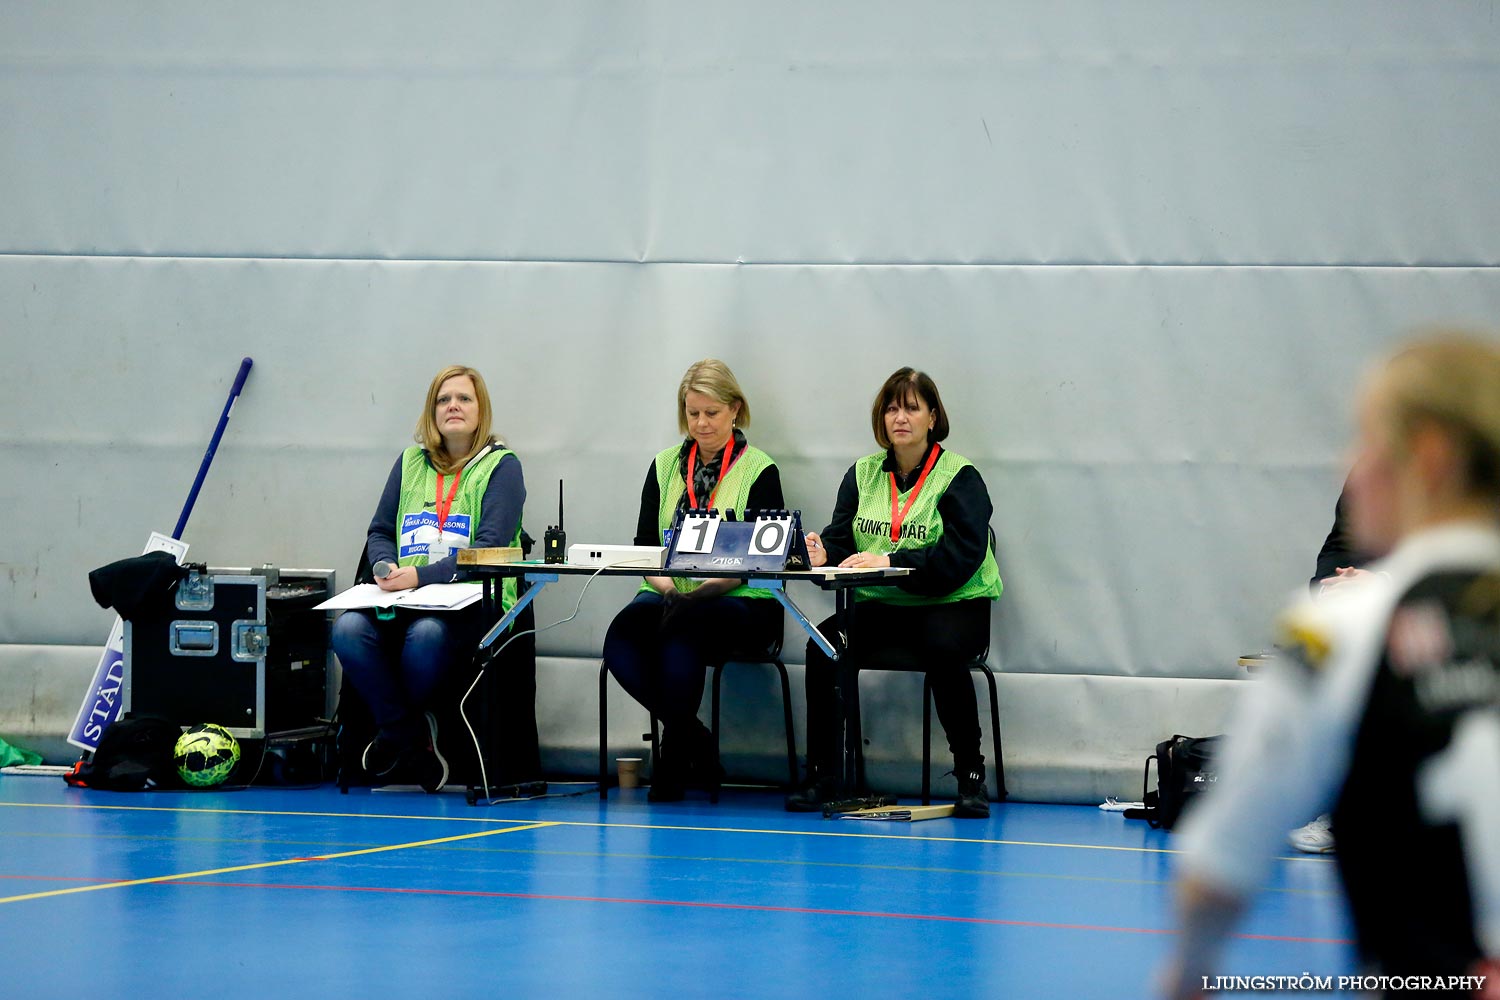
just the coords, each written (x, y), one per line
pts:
(712, 378)
(658, 646)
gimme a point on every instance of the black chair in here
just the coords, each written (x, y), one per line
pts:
(891, 662)
(978, 663)
(505, 720)
(770, 655)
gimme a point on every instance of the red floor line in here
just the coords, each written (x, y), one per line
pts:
(758, 908)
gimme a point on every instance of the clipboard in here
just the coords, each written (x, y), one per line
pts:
(898, 813)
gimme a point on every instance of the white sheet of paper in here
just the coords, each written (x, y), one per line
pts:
(433, 597)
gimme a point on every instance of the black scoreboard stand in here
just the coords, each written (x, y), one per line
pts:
(765, 540)
(242, 648)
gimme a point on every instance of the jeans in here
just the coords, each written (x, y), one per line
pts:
(397, 663)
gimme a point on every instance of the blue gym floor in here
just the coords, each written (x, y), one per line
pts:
(270, 893)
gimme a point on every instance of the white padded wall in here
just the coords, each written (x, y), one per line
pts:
(1157, 132)
(1144, 249)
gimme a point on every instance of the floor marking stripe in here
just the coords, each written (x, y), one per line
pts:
(859, 866)
(751, 907)
(266, 864)
(636, 826)
(714, 859)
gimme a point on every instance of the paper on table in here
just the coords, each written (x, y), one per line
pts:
(433, 597)
(855, 570)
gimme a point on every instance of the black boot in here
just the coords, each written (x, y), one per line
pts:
(973, 796)
(814, 793)
(668, 783)
(686, 759)
(704, 772)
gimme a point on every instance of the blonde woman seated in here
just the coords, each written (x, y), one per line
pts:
(658, 645)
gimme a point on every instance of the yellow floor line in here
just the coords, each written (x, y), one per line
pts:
(642, 826)
(256, 812)
(268, 864)
(697, 858)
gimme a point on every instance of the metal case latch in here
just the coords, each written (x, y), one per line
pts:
(250, 641)
(196, 593)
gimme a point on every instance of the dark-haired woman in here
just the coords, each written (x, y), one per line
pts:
(920, 506)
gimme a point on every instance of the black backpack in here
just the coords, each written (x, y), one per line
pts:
(131, 753)
(1184, 770)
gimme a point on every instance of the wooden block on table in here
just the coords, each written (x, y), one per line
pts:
(489, 557)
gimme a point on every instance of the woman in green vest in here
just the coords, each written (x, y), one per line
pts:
(919, 506)
(458, 487)
(658, 645)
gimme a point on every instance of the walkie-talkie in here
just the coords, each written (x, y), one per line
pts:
(555, 541)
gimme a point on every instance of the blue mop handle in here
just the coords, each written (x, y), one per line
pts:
(213, 446)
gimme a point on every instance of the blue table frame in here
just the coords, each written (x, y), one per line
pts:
(840, 581)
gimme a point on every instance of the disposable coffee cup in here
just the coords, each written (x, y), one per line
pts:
(629, 771)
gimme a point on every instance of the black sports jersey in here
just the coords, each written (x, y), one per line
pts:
(1410, 850)
(1383, 705)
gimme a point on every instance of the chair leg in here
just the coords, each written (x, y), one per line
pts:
(989, 675)
(654, 738)
(926, 740)
(791, 733)
(713, 792)
(786, 714)
(856, 728)
(603, 732)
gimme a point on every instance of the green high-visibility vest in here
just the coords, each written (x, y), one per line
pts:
(732, 493)
(922, 526)
(417, 513)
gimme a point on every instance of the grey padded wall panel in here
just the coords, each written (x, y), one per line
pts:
(1144, 248)
(1162, 444)
(957, 132)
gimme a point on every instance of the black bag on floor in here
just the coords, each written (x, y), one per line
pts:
(131, 753)
(1184, 770)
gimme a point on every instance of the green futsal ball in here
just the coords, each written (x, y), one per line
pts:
(205, 755)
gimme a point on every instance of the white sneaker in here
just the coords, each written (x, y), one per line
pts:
(1314, 838)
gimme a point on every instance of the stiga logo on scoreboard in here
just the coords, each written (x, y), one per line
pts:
(419, 532)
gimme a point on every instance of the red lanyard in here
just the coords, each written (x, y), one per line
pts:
(723, 471)
(899, 511)
(443, 506)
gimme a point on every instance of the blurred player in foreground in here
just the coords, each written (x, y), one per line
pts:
(1387, 704)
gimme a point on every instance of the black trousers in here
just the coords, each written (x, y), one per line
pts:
(941, 639)
(662, 665)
